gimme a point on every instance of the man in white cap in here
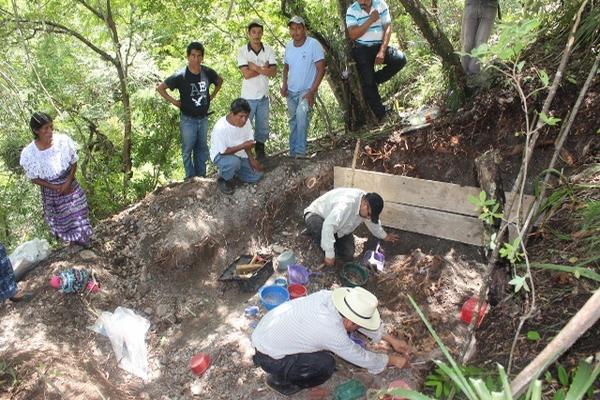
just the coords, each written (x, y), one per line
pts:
(331, 219)
(303, 71)
(294, 341)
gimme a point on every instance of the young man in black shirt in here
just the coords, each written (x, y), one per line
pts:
(193, 83)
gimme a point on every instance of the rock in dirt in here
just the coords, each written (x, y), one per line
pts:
(87, 255)
(278, 248)
(148, 311)
(196, 388)
(162, 310)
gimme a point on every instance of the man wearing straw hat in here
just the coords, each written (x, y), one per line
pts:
(294, 341)
(331, 219)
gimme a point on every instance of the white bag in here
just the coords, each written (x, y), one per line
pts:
(127, 333)
(27, 256)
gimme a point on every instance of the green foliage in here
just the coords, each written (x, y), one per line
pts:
(534, 336)
(488, 208)
(513, 38)
(512, 251)
(550, 121)
(578, 383)
(8, 374)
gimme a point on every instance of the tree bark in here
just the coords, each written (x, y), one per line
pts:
(439, 42)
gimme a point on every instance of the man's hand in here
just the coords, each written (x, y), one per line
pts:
(329, 261)
(177, 103)
(247, 145)
(253, 67)
(310, 98)
(397, 361)
(373, 17)
(284, 91)
(380, 57)
(399, 345)
(257, 166)
(391, 237)
(65, 188)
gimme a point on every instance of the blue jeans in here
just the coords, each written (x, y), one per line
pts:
(231, 165)
(299, 120)
(477, 24)
(194, 149)
(259, 110)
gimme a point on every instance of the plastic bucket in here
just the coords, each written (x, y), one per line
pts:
(296, 290)
(285, 259)
(466, 313)
(374, 259)
(353, 274)
(200, 363)
(297, 273)
(272, 296)
(281, 281)
(398, 383)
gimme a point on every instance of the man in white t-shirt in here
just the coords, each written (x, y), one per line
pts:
(231, 144)
(256, 61)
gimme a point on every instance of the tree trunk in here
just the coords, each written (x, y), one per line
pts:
(121, 66)
(431, 30)
(342, 74)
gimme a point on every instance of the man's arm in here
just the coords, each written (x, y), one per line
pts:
(247, 145)
(162, 90)
(217, 88)
(267, 70)
(387, 34)
(284, 79)
(357, 31)
(310, 95)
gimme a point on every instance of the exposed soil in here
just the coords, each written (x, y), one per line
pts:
(163, 256)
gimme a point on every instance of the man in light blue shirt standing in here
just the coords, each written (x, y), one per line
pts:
(303, 71)
(370, 27)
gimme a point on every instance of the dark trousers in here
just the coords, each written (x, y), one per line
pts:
(344, 246)
(364, 56)
(303, 370)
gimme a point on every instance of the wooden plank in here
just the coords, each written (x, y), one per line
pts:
(436, 195)
(460, 228)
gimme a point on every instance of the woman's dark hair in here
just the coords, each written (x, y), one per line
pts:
(39, 119)
(195, 46)
(240, 105)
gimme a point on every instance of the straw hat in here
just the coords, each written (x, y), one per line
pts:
(358, 305)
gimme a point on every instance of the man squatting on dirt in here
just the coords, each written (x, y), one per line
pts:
(333, 217)
(231, 144)
(294, 341)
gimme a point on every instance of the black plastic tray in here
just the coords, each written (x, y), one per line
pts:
(253, 282)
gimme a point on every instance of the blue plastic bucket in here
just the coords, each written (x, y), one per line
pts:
(272, 296)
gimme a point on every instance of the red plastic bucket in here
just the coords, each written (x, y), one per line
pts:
(200, 363)
(296, 290)
(398, 383)
(466, 313)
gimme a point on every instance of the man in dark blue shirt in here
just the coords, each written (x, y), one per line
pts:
(193, 83)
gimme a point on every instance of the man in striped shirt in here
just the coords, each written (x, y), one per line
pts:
(370, 27)
(294, 341)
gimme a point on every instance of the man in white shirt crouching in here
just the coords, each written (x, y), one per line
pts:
(231, 144)
(294, 341)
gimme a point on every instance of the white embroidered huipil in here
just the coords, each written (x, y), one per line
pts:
(312, 323)
(340, 210)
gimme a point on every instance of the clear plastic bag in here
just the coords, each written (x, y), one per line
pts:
(28, 255)
(127, 333)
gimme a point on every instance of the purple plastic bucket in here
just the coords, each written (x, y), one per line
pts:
(297, 273)
(374, 259)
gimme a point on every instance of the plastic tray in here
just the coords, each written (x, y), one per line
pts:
(253, 282)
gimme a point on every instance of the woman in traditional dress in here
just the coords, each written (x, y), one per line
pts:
(50, 161)
(8, 285)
